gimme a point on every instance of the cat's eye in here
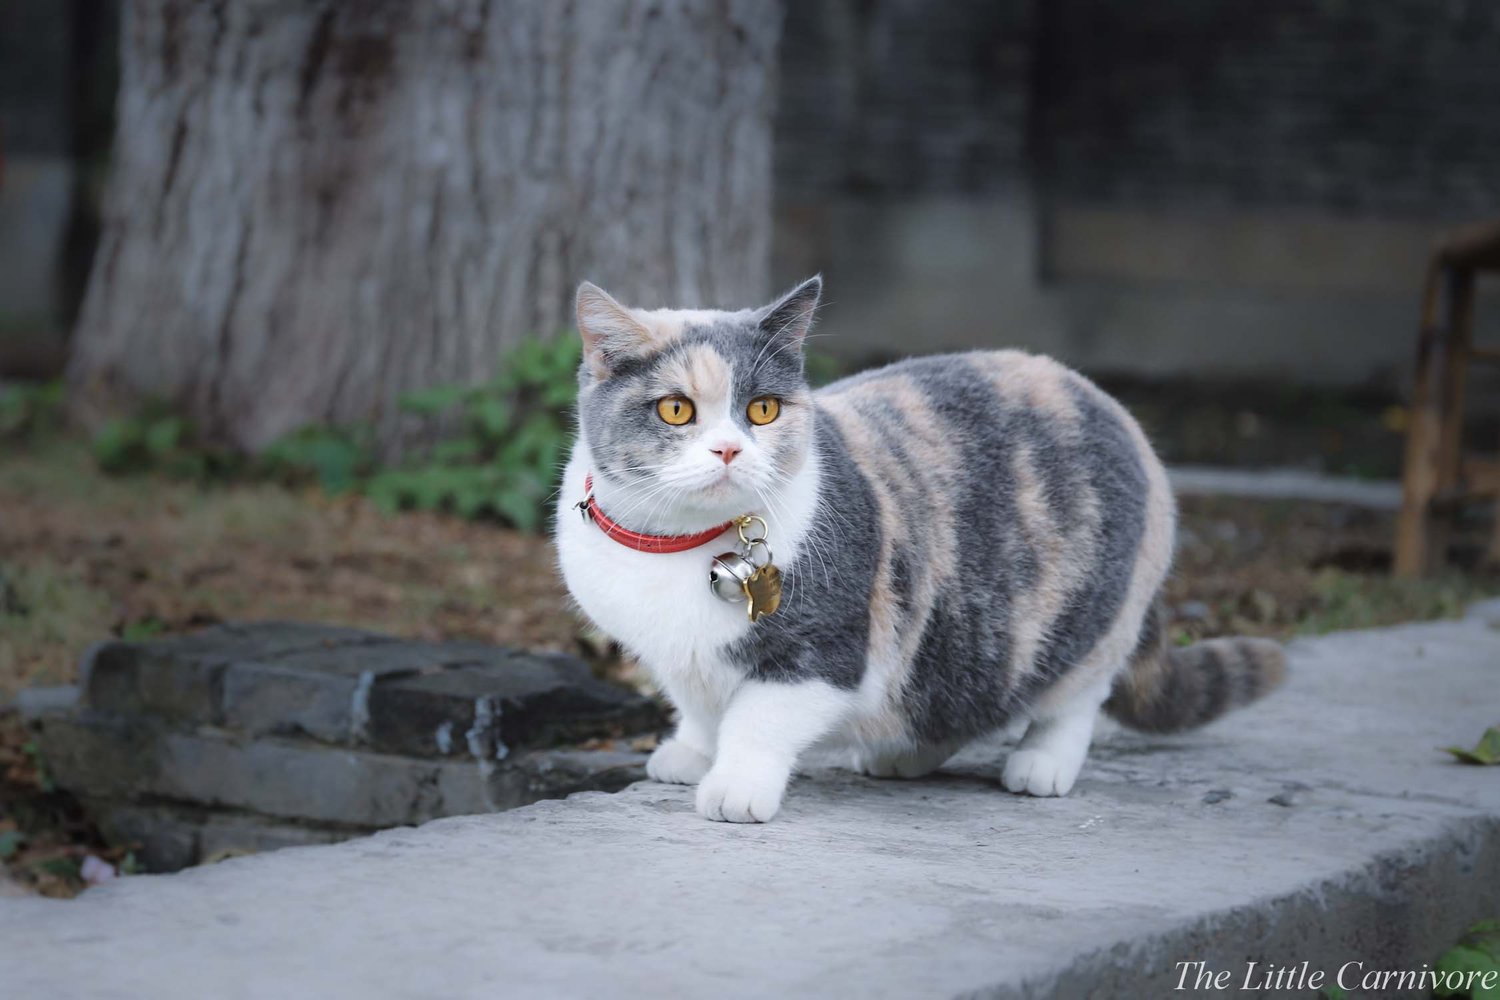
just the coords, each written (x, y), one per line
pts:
(763, 410)
(675, 410)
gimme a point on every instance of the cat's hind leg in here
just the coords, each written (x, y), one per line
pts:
(1047, 760)
(908, 761)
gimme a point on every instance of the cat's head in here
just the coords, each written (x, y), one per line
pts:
(694, 413)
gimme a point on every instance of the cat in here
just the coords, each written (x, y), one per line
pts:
(963, 539)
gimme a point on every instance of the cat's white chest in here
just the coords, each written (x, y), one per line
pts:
(657, 605)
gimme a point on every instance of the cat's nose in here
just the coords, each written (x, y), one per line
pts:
(726, 451)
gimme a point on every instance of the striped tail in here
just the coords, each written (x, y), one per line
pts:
(1167, 689)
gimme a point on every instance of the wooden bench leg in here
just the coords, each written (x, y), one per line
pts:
(1423, 439)
(1453, 374)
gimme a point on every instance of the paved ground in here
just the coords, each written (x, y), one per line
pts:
(1322, 825)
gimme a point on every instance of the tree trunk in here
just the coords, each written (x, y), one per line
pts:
(318, 204)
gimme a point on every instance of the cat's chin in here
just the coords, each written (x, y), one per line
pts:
(722, 497)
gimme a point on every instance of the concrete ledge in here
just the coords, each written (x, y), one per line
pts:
(1320, 826)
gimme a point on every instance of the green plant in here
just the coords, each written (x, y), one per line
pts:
(11, 842)
(1475, 958)
(156, 439)
(509, 438)
(337, 459)
(28, 409)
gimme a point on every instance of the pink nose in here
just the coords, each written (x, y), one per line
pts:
(726, 451)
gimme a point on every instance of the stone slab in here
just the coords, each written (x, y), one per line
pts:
(120, 759)
(168, 837)
(350, 687)
(1321, 825)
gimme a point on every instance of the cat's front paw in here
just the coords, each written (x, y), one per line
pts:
(742, 794)
(1038, 772)
(676, 763)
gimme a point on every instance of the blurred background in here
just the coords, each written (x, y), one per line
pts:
(285, 284)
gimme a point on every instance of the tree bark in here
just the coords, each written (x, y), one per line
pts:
(318, 204)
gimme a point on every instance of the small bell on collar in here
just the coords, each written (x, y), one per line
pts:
(736, 576)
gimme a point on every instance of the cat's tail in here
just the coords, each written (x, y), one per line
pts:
(1169, 688)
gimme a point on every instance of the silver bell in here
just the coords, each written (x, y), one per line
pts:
(730, 572)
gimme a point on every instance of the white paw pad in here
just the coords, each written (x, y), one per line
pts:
(742, 794)
(676, 763)
(1037, 772)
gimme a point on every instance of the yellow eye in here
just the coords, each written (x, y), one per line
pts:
(763, 410)
(675, 410)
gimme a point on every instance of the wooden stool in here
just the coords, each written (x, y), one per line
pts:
(1439, 478)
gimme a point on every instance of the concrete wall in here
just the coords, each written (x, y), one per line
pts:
(1181, 187)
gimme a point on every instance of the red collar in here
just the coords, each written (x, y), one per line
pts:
(642, 542)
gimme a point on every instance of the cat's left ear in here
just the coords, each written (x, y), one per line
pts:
(792, 314)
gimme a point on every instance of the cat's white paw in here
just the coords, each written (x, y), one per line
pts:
(743, 794)
(1038, 772)
(676, 763)
(904, 763)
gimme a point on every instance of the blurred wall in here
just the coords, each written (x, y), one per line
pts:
(1170, 187)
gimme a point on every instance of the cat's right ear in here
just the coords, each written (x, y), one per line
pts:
(610, 333)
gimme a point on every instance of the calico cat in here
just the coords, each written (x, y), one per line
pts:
(962, 540)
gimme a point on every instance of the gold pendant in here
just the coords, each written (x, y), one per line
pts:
(763, 591)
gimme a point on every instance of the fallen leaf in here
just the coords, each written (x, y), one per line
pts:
(1486, 751)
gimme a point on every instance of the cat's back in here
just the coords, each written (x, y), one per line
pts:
(1021, 507)
(968, 398)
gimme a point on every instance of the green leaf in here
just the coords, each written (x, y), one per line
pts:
(114, 444)
(456, 451)
(143, 629)
(163, 436)
(1485, 752)
(11, 842)
(519, 508)
(492, 415)
(1477, 951)
(432, 401)
(61, 867)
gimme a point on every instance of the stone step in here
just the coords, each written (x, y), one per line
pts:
(351, 687)
(148, 783)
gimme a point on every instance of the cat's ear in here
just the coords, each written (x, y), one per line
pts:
(792, 314)
(610, 333)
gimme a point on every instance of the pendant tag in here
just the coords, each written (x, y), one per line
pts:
(748, 575)
(763, 590)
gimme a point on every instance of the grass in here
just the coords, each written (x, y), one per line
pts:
(1350, 600)
(51, 615)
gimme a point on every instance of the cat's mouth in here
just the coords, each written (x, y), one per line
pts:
(720, 483)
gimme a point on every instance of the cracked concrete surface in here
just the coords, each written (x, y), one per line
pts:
(1321, 825)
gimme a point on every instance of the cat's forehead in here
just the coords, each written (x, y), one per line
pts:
(697, 369)
(709, 353)
(669, 325)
